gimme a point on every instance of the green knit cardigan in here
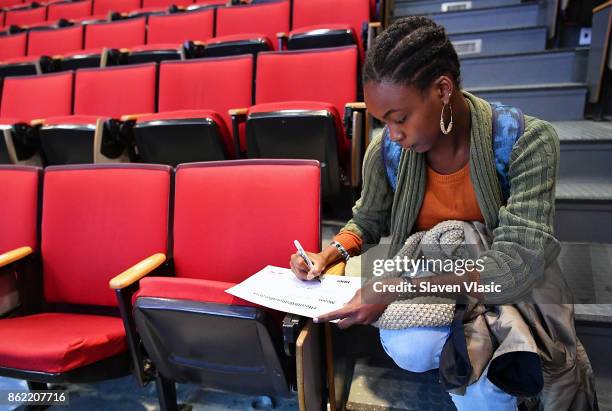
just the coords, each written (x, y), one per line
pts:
(523, 238)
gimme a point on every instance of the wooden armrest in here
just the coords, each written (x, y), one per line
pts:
(58, 57)
(375, 24)
(198, 43)
(281, 35)
(37, 122)
(238, 111)
(602, 6)
(356, 105)
(14, 255)
(136, 272)
(131, 117)
(124, 50)
(337, 269)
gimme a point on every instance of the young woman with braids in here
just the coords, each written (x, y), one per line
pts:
(412, 83)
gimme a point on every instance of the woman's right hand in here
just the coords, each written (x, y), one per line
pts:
(300, 268)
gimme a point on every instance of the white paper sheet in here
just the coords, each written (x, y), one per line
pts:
(279, 289)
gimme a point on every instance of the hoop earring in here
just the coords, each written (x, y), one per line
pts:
(450, 125)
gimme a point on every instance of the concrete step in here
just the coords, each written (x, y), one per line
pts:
(378, 387)
(407, 8)
(503, 41)
(584, 210)
(544, 67)
(552, 102)
(490, 18)
(586, 149)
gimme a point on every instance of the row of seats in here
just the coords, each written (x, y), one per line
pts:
(182, 114)
(43, 13)
(191, 233)
(256, 23)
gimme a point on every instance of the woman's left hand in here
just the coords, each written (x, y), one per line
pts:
(364, 308)
(354, 312)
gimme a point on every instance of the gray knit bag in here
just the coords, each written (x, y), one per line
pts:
(445, 241)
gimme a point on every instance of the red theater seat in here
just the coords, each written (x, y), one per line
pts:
(265, 19)
(103, 94)
(194, 99)
(69, 10)
(96, 221)
(324, 23)
(302, 94)
(222, 341)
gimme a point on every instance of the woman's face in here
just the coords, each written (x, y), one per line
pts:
(413, 117)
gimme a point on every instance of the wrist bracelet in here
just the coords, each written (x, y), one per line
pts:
(342, 250)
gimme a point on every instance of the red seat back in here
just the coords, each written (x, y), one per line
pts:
(195, 25)
(55, 41)
(98, 221)
(118, 34)
(25, 17)
(69, 10)
(13, 46)
(104, 6)
(317, 75)
(18, 208)
(115, 91)
(265, 18)
(165, 3)
(217, 84)
(321, 12)
(233, 218)
(31, 97)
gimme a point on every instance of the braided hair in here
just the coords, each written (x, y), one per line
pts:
(412, 51)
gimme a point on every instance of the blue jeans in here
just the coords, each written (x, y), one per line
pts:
(418, 350)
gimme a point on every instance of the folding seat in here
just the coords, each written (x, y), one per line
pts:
(19, 186)
(167, 33)
(254, 22)
(302, 95)
(103, 41)
(330, 23)
(28, 98)
(107, 6)
(69, 10)
(193, 120)
(101, 96)
(25, 16)
(235, 44)
(97, 221)
(191, 329)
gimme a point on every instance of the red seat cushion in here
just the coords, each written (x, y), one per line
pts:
(56, 342)
(191, 289)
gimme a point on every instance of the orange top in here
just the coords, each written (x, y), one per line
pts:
(448, 197)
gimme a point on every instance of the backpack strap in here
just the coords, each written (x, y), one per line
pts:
(508, 126)
(391, 153)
